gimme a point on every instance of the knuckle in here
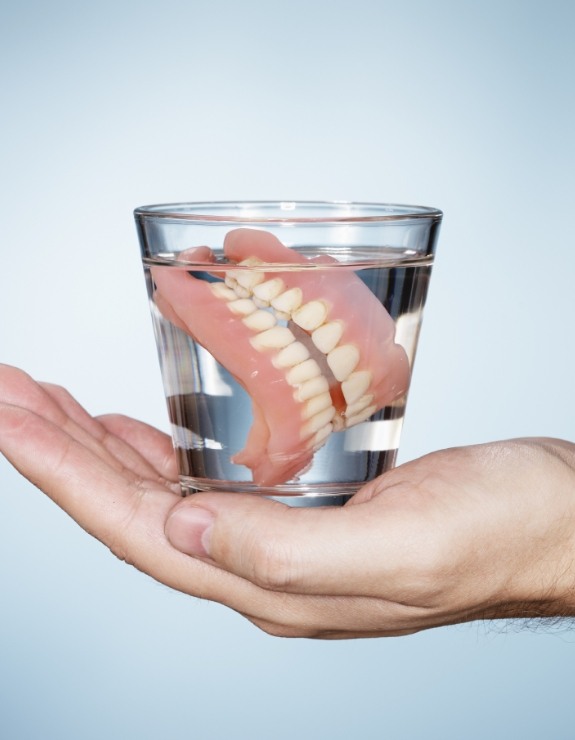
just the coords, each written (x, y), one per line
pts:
(273, 565)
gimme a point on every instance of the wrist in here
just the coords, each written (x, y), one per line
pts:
(543, 584)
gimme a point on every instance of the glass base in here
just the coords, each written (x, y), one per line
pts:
(295, 494)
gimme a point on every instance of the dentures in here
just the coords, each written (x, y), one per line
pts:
(311, 344)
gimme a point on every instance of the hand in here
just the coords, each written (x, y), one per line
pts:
(462, 534)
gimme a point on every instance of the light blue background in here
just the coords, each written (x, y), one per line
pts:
(466, 106)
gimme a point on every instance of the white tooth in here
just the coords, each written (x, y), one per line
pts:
(220, 290)
(303, 371)
(288, 301)
(281, 316)
(359, 405)
(343, 360)
(338, 423)
(317, 422)
(320, 437)
(362, 416)
(248, 262)
(269, 290)
(230, 281)
(293, 354)
(315, 405)
(239, 292)
(276, 338)
(327, 336)
(248, 278)
(310, 315)
(311, 388)
(260, 320)
(356, 385)
(242, 306)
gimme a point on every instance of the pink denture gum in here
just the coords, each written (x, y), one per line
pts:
(313, 347)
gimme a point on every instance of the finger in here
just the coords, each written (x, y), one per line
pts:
(126, 514)
(57, 405)
(71, 408)
(129, 516)
(17, 388)
(369, 549)
(149, 442)
(118, 445)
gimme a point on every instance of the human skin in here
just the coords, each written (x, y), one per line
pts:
(480, 532)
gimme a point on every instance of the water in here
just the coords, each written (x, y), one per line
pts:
(211, 413)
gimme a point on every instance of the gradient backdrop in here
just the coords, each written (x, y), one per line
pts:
(466, 106)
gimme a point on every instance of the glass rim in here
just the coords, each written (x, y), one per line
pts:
(199, 211)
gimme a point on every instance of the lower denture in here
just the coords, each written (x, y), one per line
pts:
(332, 366)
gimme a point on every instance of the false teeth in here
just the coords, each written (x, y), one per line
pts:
(291, 355)
(326, 337)
(311, 388)
(311, 315)
(303, 371)
(288, 301)
(343, 360)
(356, 385)
(276, 338)
(260, 320)
(269, 290)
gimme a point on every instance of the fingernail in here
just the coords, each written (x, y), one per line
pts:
(189, 529)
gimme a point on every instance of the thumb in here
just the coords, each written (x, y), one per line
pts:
(335, 551)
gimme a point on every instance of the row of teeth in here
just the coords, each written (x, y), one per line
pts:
(250, 296)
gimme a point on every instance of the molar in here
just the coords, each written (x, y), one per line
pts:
(247, 279)
(240, 291)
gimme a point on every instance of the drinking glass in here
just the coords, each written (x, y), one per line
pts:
(286, 335)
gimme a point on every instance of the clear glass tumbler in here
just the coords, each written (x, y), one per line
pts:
(286, 334)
